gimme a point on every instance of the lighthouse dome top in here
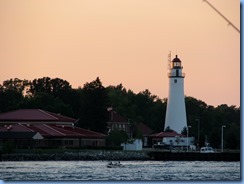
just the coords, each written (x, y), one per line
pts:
(176, 63)
(176, 59)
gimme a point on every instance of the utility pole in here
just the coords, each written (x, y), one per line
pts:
(222, 138)
(198, 133)
(187, 137)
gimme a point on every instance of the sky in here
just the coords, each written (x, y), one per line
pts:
(124, 41)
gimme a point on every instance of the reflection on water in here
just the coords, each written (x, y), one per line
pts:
(132, 170)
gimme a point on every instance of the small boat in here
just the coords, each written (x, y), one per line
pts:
(114, 164)
(206, 150)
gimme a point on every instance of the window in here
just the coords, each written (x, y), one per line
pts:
(175, 80)
(177, 73)
(176, 64)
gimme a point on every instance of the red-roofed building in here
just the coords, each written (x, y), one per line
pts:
(118, 122)
(45, 129)
(158, 137)
(146, 132)
(34, 116)
(161, 135)
(173, 139)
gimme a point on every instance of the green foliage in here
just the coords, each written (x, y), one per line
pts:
(137, 134)
(211, 120)
(8, 147)
(15, 84)
(232, 136)
(141, 107)
(93, 113)
(184, 131)
(56, 87)
(116, 137)
(168, 129)
(89, 105)
(11, 93)
(8, 99)
(46, 102)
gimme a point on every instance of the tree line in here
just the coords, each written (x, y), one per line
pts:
(88, 104)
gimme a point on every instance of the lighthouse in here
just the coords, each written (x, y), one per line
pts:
(176, 111)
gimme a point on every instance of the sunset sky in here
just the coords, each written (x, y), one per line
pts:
(124, 41)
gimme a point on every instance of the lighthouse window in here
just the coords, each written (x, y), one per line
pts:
(175, 81)
(177, 73)
(176, 64)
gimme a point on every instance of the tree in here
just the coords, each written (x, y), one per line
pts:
(89, 104)
(56, 87)
(116, 137)
(93, 113)
(11, 93)
(9, 99)
(41, 85)
(168, 129)
(184, 131)
(15, 84)
(142, 107)
(46, 102)
(232, 138)
(120, 99)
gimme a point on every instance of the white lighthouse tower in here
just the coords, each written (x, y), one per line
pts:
(176, 110)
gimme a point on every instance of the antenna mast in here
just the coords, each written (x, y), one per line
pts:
(169, 60)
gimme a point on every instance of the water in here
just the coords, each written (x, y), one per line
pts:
(132, 170)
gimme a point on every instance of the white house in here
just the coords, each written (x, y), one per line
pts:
(136, 145)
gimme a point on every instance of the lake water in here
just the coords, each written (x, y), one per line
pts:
(132, 170)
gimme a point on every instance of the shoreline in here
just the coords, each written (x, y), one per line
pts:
(91, 155)
(82, 155)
